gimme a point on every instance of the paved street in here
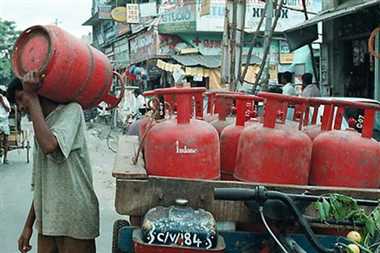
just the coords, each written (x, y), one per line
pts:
(15, 194)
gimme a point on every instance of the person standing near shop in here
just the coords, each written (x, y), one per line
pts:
(65, 209)
(289, 87)
(309, 88)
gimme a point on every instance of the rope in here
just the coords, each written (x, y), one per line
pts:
(371, 43)
(152, 120)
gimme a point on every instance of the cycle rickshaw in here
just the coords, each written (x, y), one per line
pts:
(17, 138)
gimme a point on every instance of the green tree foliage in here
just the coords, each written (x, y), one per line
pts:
(8, 36)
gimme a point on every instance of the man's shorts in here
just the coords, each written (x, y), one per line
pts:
(63, 244)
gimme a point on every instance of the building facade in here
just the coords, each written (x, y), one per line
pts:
(347, 68)
(174, 27)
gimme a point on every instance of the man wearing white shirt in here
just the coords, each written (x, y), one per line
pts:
(289, 88)
(309, 88)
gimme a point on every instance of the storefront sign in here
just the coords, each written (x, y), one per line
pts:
(168, 44)
(143, 47)
(133, 14)
(211, 44)
(286, 57)
(104, 12)
(178, 19)
(255, 9)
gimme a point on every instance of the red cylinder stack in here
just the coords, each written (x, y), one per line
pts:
(274, 154)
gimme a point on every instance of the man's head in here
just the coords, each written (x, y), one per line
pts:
(288, 76)
(15, 93)
(307, 79)
(137, 92)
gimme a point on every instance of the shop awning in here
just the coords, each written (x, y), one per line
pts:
(307, 32)
(208, 61)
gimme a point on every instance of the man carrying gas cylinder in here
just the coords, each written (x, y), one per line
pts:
(65, 208)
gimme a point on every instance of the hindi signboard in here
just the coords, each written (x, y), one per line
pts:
(133, 13)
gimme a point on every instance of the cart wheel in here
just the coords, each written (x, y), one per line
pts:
(115, 236)
(27, 151)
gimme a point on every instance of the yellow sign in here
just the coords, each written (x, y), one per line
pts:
(119, 14)
(286, 58)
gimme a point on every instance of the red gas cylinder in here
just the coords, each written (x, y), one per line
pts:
(291, 110)
(223, 107)
(211, 99)
(273, 153)
(183, 147)
(210, 116)
(198, 101)
(347, 158)
(199, 106)
(314, 130)
(71, 70)
(230, 135)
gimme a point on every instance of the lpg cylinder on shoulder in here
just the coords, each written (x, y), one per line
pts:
(223, 108)
(230, 135)
(314, 129)
(178, 228)
(183, 147)
(346, 158)
(71, 70)
(274, 153)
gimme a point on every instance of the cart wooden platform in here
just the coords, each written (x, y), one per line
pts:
(137, 192)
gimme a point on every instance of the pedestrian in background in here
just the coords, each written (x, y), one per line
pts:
(309, 88)
(5, 109)
(65, 209)
(289, 87)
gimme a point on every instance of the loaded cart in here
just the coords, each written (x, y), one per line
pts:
(170, 214)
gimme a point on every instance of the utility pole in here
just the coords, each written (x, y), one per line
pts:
(233, 37)
(226, 54)
(239, 41)
(267, 37)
